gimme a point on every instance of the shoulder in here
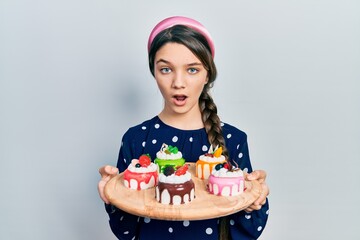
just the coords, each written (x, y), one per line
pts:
(233, 132)
(141, 128)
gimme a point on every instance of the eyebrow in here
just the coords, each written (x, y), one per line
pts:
(162, 60)
(190, 64)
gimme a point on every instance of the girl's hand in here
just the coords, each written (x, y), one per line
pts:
(260, 176)
(107, 172)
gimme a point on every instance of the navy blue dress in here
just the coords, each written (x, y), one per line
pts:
(148, 138)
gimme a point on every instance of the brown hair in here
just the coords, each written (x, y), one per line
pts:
(198, 45)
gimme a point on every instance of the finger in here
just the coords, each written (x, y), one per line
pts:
(101, 188)
(257, 205)
(264, 193)
(108, 170)
(259, 175)
(253, 207)
(248, 210)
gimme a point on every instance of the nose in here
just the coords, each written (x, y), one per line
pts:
(179, 80)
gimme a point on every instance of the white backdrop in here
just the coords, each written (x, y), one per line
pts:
(74, 77)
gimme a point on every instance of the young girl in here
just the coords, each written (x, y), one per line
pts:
(181, 59)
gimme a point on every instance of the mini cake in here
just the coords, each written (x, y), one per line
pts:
(169, 156)
(208, 161)
(226, 182)
(175, 187)
(141, 173)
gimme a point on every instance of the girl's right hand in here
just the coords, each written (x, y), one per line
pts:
(107, 172)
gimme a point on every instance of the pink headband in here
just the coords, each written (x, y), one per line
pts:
(178, 20)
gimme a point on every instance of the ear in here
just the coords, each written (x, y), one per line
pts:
(207, 80)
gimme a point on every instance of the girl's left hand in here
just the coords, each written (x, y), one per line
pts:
(260, 176)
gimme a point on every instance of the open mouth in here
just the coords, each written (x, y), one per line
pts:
(179, 100)
(180, 97)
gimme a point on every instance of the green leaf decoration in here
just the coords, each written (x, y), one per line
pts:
(172, 149)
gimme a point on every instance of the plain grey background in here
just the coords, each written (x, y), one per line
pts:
(74, 77)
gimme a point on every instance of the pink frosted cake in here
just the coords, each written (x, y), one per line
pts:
(141, 173)
(208, 161)
(175, 187)
(225, 182)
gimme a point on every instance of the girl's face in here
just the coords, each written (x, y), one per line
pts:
(181, 77)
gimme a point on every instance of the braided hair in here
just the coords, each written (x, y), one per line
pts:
(199, 46)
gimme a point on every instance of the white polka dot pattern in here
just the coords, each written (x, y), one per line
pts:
(147, 137)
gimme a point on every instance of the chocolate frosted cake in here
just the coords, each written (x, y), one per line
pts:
(175, 186)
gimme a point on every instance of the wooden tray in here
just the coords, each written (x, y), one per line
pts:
(205, 205)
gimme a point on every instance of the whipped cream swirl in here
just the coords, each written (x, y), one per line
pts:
(174, 178)
(223, 172)
(151, 168)
(212, 159)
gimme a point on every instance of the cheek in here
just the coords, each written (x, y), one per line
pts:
(197, 90)
(162, 87)
(201, 84)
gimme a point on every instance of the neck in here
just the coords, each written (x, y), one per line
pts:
(182, 121)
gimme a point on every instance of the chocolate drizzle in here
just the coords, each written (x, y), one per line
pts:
(179, 189)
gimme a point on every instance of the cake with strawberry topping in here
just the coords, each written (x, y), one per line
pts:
(141, 173)
(175, 186)
(226, 180)
(208, 161)
(168, 156)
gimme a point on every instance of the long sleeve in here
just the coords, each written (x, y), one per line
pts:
(246, 225)
(125, 226)
(148, 137)
(249, 225)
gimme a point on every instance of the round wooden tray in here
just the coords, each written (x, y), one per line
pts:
(205, 205)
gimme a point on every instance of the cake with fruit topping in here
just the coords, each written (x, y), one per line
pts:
(175, 186)
(208, 161)
(168, 156)
(141, 173)
(226, 180)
